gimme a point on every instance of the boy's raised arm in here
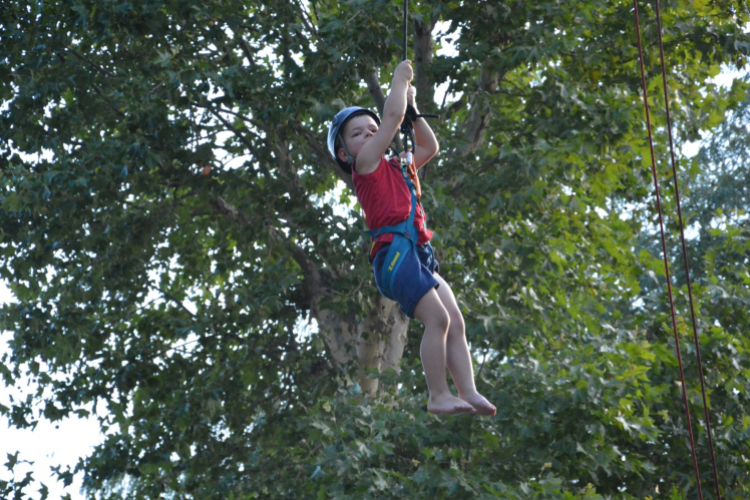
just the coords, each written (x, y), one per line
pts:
(369, 156)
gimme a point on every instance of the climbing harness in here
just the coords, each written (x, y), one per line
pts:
(405, 236)
(684, 255)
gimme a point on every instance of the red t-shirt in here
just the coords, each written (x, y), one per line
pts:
(386, 200)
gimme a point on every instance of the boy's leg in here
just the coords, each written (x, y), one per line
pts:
(431, 312)
(458, 358)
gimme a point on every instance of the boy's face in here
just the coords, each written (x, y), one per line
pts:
(357, 131)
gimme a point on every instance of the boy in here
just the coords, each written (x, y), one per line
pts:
(358, 141)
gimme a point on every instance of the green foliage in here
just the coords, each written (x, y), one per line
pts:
(176, 298)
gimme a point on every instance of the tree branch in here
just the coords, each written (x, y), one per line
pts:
(223, 208)
(316, 144)
(246, 50)
(91, 63)
(177, 301)
(306, 18)
(339, 331)
(373, 86)
(230, 128)
(242, 117)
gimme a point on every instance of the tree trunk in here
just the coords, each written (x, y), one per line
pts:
(479, 118)
(377, 339)
(381, 340)
(423, 56)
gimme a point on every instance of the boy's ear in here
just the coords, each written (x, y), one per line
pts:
(343, 156)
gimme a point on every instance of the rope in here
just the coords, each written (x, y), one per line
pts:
(407, 125)
(696, 338)
(684, 253)
(406, 10)
(411, 114)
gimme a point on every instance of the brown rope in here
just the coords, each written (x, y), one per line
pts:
(696, 337)
(684, 252)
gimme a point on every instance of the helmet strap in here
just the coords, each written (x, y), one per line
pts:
(349, 157)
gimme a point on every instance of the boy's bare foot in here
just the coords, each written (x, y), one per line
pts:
(480, 404)
(449, 405)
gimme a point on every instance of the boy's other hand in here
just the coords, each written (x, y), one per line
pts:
(404, 71)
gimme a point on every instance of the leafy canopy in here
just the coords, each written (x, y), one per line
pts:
(171, 221)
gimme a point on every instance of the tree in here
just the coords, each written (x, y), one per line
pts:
(179, 221)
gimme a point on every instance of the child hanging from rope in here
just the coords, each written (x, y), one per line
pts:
(408, 272)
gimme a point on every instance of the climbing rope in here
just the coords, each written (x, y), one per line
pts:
(406, 11)
(407, 125)
(684, 254)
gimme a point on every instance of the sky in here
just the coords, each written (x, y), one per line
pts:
(65, 442)
(48, 444)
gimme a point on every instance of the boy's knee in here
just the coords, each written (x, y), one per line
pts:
(436, 319)
(456, 324)
(442, 320)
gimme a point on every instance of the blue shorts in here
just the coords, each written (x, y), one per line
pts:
(413, 279)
